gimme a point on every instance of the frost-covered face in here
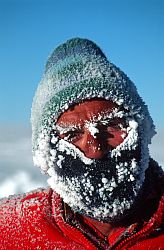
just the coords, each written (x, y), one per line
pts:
(94, 159)
(90, 128)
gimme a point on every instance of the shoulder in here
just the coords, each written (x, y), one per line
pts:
(157, 169)
(20, 205)
(22, 218)
(154, 176)
(28, 222)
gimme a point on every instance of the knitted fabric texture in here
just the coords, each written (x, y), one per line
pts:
(75, 71)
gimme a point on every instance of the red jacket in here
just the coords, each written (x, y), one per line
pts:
(36, 221)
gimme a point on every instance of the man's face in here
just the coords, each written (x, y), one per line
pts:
(92, 128)
(94, 159)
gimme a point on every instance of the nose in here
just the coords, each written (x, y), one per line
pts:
(93, 146)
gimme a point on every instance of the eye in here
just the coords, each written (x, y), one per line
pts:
(72, 136)
(116, 124)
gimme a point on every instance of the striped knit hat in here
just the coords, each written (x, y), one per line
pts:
(75, 71)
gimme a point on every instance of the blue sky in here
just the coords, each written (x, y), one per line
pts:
(130, 32)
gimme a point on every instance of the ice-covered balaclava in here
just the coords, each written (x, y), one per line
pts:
(103, 189)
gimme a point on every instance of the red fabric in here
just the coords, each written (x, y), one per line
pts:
(35, 221)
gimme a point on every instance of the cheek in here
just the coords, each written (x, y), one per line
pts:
(117, 137)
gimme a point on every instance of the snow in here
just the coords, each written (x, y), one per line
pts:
(20, 182)
(92, 129)
(73, 150)
(130, 142)
(17, 172)
(64, 130)
(104, 180)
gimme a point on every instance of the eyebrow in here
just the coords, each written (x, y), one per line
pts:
(66, 128)
(105, 117)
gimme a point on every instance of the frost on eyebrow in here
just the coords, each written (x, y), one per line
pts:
(65, 128)
(105, 116)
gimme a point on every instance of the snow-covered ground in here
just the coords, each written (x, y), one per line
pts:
(17, 173)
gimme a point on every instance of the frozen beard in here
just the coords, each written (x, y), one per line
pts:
(102, 189)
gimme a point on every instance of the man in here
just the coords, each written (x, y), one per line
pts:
(90, 134)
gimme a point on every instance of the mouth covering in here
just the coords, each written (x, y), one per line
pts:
(103, 189)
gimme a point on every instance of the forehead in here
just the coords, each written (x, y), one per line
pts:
(86, 111)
